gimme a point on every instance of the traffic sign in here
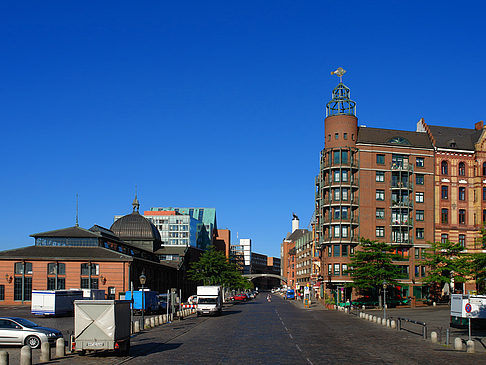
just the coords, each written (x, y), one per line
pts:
(468, 308)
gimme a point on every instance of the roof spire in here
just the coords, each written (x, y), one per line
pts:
(136, 204)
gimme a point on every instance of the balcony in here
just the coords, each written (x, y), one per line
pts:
(326, 239)
(354, 181)
(402, 204)
(330, 201)
(351, 163)
(402, 185)
(402, 240)
(401, 223)
(403, 166)
(353, 219)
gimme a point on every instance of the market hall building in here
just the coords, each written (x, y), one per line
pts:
(95, 258)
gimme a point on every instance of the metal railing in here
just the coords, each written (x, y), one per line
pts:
(407, 320)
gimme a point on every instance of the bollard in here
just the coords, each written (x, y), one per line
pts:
(157, 321)
(147, 324)
(378, 320)
(434, 304)
(388, 323)
(457, 344)
(447, 336)
(363, 307)
(161, 319)
(424, 332)
(136, 327)
(470, 346)
(45, 352)
(164, 318)
(383, 322)
(375, 319)
(433, 337)
(152, 322)
(3, 358)
(393, 325)
(25, 355)
(60, 349)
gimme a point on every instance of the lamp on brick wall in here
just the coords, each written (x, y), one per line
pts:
(8, 278)
(103, 279)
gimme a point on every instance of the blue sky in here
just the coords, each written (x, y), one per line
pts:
(211, 104)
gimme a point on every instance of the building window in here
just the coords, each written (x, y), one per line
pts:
(345, 175)
(51, 283)
(380, 213)
(380, 231)
(345, 194)
(23, 288)
(462, 193)
(2, 292)
(344, 250)
(380, 194)
(344, 269)
(85, 283)
(336, 270)
(444, 237)
(85, 269)
(484, 215)
(23, 268)
(419, 197)
(344, 157)
(444, 192)
(336, 231)
(462, 240)
(444, 168)
(419, 233)
(419, 162)
(345, 135)
(337, 213)
(337, 195)
(336, 251)
(344, 231)
(336, 157)
(336, 176)
(462, 216)
(380, 176)
(462, 169)
(444, 216)
(336, 135)
(329, 137)
(329, 250)
(419, 179)
(484, 193)
(329, 269)
(417, 253)
(344, 212)
(380, 159)
(56, 268)
(419, 215)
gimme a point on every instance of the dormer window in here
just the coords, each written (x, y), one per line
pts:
(399, 140)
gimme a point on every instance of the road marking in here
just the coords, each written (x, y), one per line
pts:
(298, 348)
(290, 335)
(286, 329)
(310, 362)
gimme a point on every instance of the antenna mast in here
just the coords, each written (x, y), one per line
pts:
(77, 221)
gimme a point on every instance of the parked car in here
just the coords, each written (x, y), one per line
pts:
(240, 298)
(20, 331)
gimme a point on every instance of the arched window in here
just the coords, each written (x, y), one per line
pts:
(462, 169)
(484, 168)
(444, 168)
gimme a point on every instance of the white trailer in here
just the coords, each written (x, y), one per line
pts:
(464, 307)
(209, 300)
(96, 294)
(101, 325)
(54, 302)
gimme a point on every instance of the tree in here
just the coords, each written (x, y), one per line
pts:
(447, 263)
(478, 271)
(372, 266)
(213, 268)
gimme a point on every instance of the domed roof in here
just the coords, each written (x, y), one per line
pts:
(134, 226)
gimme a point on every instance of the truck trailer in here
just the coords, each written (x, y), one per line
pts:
(150, 301)
(209, 300)
(101, 325)
(54, 302)
(464, 307)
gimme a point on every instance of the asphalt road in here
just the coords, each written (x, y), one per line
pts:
(280, 332)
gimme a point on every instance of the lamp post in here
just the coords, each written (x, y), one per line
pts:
(143, 279)
(384, 299)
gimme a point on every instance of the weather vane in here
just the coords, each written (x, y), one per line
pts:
(339, 72)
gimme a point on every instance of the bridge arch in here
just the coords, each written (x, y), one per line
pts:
(254, 276)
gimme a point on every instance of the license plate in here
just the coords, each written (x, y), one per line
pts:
(94, 344)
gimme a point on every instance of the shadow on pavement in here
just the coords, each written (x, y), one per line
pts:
(152, 348)
(227, 313)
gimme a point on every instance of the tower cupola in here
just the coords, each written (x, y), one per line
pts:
(341, 103)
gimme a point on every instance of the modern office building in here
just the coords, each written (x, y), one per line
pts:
(241, 255)
(376, 184)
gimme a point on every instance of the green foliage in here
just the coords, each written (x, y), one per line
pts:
(214, 269)
(478, 271)
(371, 266)
(446, 261)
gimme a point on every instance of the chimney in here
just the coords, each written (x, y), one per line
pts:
(478, 126)
(295, 222)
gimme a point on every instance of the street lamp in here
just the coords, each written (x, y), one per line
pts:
(384, 299)
(143, 279)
